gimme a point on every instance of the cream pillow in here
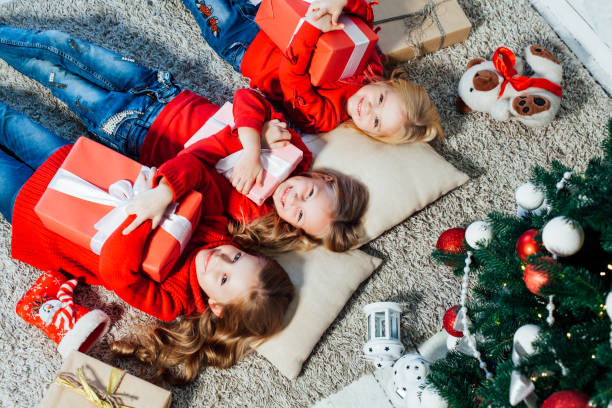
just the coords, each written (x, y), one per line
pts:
(324, 282)
(401, 180)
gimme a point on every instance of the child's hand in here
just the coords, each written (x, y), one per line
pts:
(275, 134)
(319, 8)
(149, 205)
(247, 171)
(324, 23)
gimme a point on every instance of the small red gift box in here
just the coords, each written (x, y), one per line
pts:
(338, 55)
(84, 203)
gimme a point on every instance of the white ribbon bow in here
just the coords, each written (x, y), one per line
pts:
(119, 195)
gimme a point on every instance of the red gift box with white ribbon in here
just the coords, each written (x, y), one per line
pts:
(277, 163)
(338, 54)
(85, 201)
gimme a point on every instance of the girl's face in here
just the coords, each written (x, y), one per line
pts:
(226, 273)
(307, 203)
(378, 110)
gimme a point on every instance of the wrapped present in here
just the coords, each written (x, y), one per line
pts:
(338, 54)
(222, 118)
(85, 203)
(84, 381)
(277, 163)
(409, 28)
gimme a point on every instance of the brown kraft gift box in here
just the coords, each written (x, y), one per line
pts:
(398, 42)
(132, 391)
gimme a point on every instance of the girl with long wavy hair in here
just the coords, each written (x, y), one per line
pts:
(141, 113)
(232, 300)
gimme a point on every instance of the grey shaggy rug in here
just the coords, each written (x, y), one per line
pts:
(497, 156)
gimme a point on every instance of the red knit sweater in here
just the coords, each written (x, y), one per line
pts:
(118, 266)
(285, 79)
(187, 170)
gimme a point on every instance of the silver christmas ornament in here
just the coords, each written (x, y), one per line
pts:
(563, 236)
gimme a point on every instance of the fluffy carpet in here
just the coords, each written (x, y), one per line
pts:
(497, 156)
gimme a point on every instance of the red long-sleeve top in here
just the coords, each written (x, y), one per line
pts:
(285, 80)
(118, 266)
(191, 166)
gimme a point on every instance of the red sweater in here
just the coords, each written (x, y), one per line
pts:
(118, 266)
(191, 166)
(285, 79)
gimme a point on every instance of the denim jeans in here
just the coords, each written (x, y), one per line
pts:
(115, 97)
(228, 26)
(25, 146)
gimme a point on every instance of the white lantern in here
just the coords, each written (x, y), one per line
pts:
(383, 345)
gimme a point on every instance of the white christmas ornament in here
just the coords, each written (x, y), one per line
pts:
(562, 236)
(522, 345)
(528, 196)
(409, 376)
(478, 232)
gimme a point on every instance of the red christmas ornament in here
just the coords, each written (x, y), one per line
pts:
(566, 399)
(527, 245)
(448, 321)
(451, 241)
(536, 276)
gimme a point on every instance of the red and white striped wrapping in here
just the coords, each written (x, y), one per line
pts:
(338, 54)
(277, 163)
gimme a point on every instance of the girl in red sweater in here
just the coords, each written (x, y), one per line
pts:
(141, 113)
(230, 297)
(394, 110)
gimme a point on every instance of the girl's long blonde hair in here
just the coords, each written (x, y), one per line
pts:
(270, 234)
(177, 350)
(423, 119)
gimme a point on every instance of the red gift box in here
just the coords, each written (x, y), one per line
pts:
(338, 54)
(84, 203)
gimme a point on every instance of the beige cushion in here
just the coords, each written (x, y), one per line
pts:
(324, 281)
(401, 179)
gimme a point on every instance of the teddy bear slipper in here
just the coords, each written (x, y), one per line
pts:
(49, 305)
(498, 87)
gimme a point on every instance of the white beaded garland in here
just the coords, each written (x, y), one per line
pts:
(463, 315)
(551, 308)
(478, 232)
(609, 311)
(562, 236)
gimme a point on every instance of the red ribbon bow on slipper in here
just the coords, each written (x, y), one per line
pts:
(504, 61)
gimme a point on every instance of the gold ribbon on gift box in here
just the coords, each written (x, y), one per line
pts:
(414, 24)
(78, 383)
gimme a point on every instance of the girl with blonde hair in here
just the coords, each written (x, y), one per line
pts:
(392, 111)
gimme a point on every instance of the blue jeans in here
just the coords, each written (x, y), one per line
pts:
(25, 146)
(115, 97)
(228, 26)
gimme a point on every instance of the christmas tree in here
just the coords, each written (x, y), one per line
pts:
(537, 329)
